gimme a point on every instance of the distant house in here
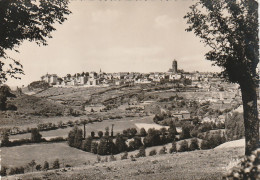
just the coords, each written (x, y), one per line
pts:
(182, 115)
(52, 79)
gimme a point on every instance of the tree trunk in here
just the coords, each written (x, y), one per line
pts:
(251, 122)
(84, 131)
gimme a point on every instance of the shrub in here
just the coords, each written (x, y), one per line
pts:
(184, 146)
(163, 150)
(204, 144)
(100, 134)
(35, 135)
(75, 137)
(141, 152)
(12, 171)
(120, 143)
(112, 158)
(92, 134)
(173, 148)
(94, 146)
(124, 156)
(46, 165)
(98, 158)
(5, 139)
(194, 144)
(132, 158)
(56, 164)
(143, 132)
(152, 152)
(57, 139)
(185, 134)
(38, 167)
(86, 145)
(3, 171)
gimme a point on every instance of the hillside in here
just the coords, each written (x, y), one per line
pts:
(202, 164)
(30, 107)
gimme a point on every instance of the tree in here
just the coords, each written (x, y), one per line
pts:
(38, 167)
(185, 131)
(46, 165)
(5, 92)
(3, 171)
(56, 164)
(94, 146)
(75, 137)
(32, 164)
(152, 152)
(194, 144)
(86, 145)
(100, 134)
(26, 20)
(120, 143)
(173, 149)
(107, 131)
(141, 152)
(35, 135)
(230, 29)
(5, 139)
(84, 122)
(163, 150)
(143, 132)
(184, 146)
(92, 134)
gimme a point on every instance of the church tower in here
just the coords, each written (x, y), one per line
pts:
(174, 66)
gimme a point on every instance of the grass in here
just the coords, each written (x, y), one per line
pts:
(22, 155)
(119, 126)
(202, 164)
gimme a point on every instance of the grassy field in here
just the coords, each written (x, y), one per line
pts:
(119, 126)
(22, 155)
(195, 165)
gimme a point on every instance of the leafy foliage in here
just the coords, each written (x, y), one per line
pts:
(26, 20)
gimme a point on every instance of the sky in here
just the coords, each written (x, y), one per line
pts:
(116, 36)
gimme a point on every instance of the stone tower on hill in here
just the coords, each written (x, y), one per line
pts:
(174, 68)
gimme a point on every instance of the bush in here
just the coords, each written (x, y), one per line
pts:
(3, 171)
(57, 139)
(46, 165)
(112, 158)
(248, 168)
(184, 146)
(132, 158)
(75, 137)
(173, 148)
(143, 132)
(16, 170)
(5, 139)
(194, 144)
(56, 164)
(124, 156)
(163, 150)
(94, 146)
(204, 144)
(100, 134)
(141, 152)
(38, 167)
(152, 152)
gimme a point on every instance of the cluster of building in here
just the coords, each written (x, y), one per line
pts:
(102, 78)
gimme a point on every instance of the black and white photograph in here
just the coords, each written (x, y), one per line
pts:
(129, 90)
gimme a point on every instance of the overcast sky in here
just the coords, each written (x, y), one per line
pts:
(116, 36)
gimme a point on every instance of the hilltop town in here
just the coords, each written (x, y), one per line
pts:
(201, 81)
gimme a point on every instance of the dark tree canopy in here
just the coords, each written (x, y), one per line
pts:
(230, 29)
(26, 20)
